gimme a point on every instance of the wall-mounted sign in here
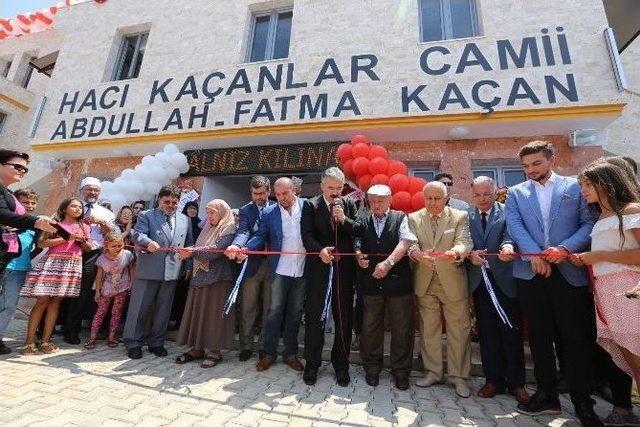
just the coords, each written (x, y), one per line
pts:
(313, 157)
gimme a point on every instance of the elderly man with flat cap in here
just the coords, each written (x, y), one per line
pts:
(101, 221)
(387, 287)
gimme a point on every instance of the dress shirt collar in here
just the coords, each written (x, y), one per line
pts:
(553, 178)
(384, 216)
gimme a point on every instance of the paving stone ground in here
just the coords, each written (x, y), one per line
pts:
(77, 387)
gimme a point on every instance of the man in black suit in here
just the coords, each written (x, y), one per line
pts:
(328, 225)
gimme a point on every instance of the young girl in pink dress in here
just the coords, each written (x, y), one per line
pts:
(614, 238)
(57, 275)
(113, 281)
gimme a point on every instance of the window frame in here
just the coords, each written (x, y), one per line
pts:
(423, 170)
(446, 24)
(28, 74)
(7, 68)
(119, 63)
(499, 172)
(273, 15)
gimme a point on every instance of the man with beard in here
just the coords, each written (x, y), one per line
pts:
(101, 221)
(328, 225)
(547, 214)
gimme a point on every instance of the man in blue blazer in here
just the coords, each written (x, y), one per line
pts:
(547, 214)
(156, 272)
(501, 348)
(256, 280)
(279, 230)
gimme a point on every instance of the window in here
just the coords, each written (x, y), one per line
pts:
(130, 56)
(3, 119)
(447, 19)
(503, 175)
(6, 68)
(270, 35)
(427, 174)
(26, 78)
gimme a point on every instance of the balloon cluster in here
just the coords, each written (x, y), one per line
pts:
(369, 164)
(145, 180)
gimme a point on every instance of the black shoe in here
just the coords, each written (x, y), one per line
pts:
(541, 403)
(372, 379)
(342, 377)
(588, 418)
(402, 382)
(135, 353)
(75, 340)
(158, 351)
(310, 376)
(245, 355)
(4, 349)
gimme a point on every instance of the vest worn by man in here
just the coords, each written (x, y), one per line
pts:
(398, 281)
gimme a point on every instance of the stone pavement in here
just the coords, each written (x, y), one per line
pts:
(77, 387)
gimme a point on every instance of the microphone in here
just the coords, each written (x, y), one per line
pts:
(337, 201)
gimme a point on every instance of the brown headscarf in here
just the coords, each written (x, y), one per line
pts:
(212, 233)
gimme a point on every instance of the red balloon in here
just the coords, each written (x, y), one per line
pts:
(401, 201)
(416, 184)
(417, 201)
(396, 166)
(398, 182)
(347, 168)
(364, 182)
(380, 179)
(378, 165)
(361, 150)
(345, 152)
(360, 166)
(359, 139)
(378, 151)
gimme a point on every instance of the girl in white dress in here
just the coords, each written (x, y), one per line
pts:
(615, 240)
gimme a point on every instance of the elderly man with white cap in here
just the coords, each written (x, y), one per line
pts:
(101, 221)
(387, 287)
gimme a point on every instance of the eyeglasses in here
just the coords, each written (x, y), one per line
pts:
(19, 168)
(170, 202)
(447, 183)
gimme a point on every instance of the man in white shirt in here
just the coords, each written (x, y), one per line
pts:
(279, 230)
(101, 221)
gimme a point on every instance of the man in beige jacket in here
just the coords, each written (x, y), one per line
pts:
(440, 282)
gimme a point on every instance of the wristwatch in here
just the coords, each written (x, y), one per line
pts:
(390, 262)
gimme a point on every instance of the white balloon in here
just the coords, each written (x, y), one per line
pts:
(171, 149)
(117, 201)
(106, 187)
(184, 168)
(144, 172)
(177, 160)
(136, 189)
(127, 174)
(148, 160)
(173, 173)
(163, 159)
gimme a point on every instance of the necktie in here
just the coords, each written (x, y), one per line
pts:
(483, 221)
(434, 225)
(168, 219)
(88, 207)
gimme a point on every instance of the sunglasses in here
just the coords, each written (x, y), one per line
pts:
(170, 203)
(19, 168)
(447, 183)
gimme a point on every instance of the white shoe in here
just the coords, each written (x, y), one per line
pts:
(428, 380)
(462, 389)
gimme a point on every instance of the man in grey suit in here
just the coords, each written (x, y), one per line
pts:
(501, 348)
(156, 272)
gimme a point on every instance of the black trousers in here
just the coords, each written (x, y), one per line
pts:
(501, 348)
(400, 309)
(83, 306)
(549, 304)
(342, 308)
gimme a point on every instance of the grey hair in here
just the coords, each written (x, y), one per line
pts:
(438, 185)
(485, 180)
(333, 173)
(284, 182)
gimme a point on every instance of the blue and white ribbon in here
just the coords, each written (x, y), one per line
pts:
(327, 297)
(492, 295)
(233, 296)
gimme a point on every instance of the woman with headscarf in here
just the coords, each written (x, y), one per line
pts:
(191, 210)
(203, 324)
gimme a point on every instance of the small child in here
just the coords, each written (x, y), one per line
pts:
(13, 278)
(57, 275)
(113, 280)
